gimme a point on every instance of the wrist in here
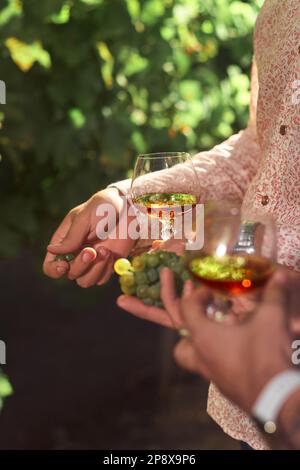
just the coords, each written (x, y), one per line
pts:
(273, 397)
(287, 409)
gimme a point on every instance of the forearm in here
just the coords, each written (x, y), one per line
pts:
(223, 172)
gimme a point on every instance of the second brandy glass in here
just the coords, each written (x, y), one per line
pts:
(164, 186)
(238, 256)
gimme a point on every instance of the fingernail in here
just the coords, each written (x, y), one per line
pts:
(87, 257)
(165, 270)
(189, 285)
(121, 300)
(102, 252)
(61, 269)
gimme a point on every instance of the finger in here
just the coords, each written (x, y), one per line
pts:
(188, 289)
(54, 269)
(156, 244)
(274, 304)
(63, 228)
(82, 262)
(168, 289)
(294, 304)
(169, 296)
(145, 312)
(74, 238)
(207, 334)
(108, 270)
(186, 356)
(193, 308)
(276, 290)
(94, 274)
(172, 245)
(51, 267)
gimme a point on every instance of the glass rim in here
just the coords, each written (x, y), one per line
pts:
(157, 155)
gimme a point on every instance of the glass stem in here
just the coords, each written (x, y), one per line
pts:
(219, 308)
(168, 229)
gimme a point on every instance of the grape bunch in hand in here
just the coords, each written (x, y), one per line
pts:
(141, 277)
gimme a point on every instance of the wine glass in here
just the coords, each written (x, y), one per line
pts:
(238, 256)
(164, 187)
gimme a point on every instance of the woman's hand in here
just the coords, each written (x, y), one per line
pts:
(170, 316)
(94, 258)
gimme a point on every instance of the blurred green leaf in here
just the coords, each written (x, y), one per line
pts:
(5, 388)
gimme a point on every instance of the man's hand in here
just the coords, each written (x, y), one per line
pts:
(93, 263)
(241, 358)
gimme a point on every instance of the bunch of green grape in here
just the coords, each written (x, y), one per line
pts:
(140, 277)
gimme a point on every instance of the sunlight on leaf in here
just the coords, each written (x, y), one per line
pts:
(134, 9)
(77, 117)
(25, 55)
(108, 65)
(92, 2)
(5, 387)
(14, 8)
(63, 15)
(135, 64)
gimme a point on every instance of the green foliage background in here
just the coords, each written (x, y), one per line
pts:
(5, 388)
(91, 83)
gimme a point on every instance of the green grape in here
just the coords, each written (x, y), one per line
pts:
(177, 266)
(60, 258)
(165, 256)
(122, 266)
(141, 277)
(67, 257)
(142, 291)
(138, 263)
(152, 260)
(154, 291)
(128, 290)
(144, 257)
(152, 275)
(172, 263)
(148, 301)
(127, 280)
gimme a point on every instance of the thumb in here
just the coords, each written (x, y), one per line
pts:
(277, 288)
(74, 238)
(275, 298)
(186, 356)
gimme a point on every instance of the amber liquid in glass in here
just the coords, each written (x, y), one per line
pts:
(234, 274)
(160, 205)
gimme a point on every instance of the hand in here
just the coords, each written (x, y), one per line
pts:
(170, 316)
(241, 358)
(93, 263)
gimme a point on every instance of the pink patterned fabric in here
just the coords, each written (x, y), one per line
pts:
(260, 165)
